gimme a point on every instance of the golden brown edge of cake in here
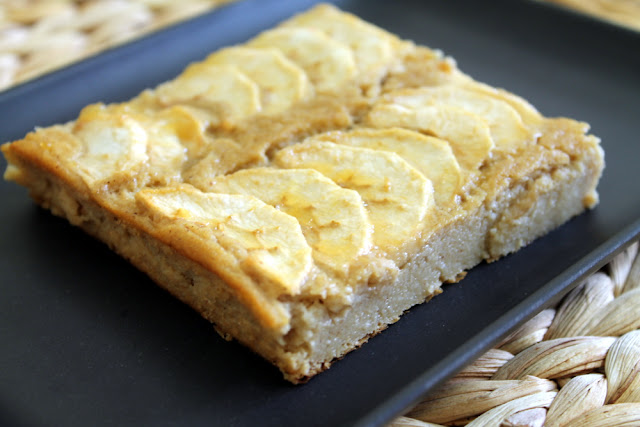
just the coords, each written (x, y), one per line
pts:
(518, 197)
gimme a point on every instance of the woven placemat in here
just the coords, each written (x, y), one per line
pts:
(621, 12)
(38, 36)
(575, 364)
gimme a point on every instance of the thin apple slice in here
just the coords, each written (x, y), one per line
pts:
(396, 195)
(221, 89)
(111, 143)
(267, 244)
(468, 135)
(333, 219)
(327, 62)
(429, 155)
(371, 46)
(507, 128)
(281, 82)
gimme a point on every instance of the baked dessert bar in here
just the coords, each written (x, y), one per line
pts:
(304, 189)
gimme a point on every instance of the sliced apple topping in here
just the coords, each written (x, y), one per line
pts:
(266, 242)
(187, 126)
(389, 186)
(166, 155)
(431, 156)
(281, 82)
(111, 143)
(468, 135)
(327, 62)
(507, 129)
(372, 47)
(222, 89)
(333, 219)
(527, 112)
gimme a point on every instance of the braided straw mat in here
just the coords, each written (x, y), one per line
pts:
(38, 36)
(621, 12)
(576, 364)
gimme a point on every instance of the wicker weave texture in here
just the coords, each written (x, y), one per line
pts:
(621, 12)
(38, 36)
(575, 364)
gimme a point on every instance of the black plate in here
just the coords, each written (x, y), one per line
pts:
(88, 340)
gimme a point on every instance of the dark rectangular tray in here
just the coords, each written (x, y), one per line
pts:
(85, 339)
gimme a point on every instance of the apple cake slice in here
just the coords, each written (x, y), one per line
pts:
(303, 190)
